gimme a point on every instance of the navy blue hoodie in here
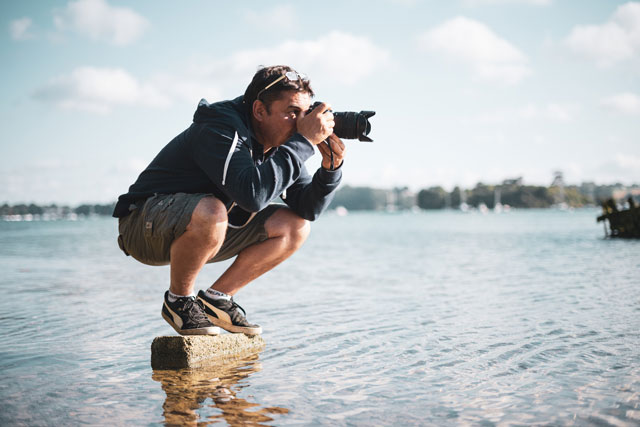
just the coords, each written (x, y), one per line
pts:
(218, 154)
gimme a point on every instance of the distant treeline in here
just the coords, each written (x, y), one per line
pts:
(511, 192)
(54, 210)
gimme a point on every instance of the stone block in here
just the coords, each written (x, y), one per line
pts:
(176, 352)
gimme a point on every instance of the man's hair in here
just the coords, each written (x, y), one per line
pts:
(266, 75)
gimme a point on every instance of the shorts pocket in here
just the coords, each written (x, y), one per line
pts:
(156, 215)
(148, 229)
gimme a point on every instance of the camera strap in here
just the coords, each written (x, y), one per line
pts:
(333, 167)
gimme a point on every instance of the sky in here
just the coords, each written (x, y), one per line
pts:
(465, 91)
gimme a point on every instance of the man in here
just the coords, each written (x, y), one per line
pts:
(206, 197)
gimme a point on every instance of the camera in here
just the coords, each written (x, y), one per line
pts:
(351, 125)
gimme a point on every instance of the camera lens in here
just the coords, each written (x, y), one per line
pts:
(352, 125)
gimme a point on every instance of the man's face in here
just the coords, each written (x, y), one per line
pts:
(276, 126)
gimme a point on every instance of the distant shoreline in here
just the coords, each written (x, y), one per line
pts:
(338, 210)
(511, 194)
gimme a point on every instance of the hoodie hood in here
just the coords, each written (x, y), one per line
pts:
(223, 111)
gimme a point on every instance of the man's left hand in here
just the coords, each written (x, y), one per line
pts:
(338, 148)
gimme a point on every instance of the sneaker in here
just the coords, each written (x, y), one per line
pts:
(186, 315)
(227, 314)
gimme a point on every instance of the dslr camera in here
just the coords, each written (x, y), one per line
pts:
(351, 125)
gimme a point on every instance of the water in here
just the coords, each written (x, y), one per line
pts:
(530, 317)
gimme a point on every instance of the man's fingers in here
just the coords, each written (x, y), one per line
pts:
(337, 147)
(332, 157)
(336, 144)
(318, 125)
(323, 108)
(330, 123)
(324, 149)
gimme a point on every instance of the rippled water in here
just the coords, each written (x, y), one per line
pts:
(530, 317)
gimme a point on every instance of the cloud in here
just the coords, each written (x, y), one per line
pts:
(473, 43)
(492, 2)
(625, 103)
(338, 57)
(616, 40)
(279, 18)
(100, 21)
(551, 112)
(19, 29)
(561, 113)
(99, 90)
(189, 86)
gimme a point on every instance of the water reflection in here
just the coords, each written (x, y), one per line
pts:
(209, 394)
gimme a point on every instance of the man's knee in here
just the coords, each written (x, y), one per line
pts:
(287, 224)
(209, 215)
(299, 230)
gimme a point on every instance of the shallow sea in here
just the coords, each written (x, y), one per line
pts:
(528, 317)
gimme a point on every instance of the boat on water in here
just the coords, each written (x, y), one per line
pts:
(622, 223)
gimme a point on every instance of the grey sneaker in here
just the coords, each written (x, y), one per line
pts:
(228, 315)
(186, 315)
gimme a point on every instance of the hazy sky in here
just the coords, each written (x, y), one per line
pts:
(465, 90)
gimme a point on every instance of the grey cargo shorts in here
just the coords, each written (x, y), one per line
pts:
(149, 230)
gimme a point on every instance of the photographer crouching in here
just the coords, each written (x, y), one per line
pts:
(207, 196)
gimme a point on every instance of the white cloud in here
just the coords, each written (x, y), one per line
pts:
(475, 44)
(190, 86)
(551, 112)
(99, 90)
(616, 40)
(276, 18)
(559, 112)
(337, 57)
(19, 29)
(492, 2)
(625, 103)
(101, 21)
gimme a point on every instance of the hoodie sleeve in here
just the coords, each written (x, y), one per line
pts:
(227, 160)
(308, 196)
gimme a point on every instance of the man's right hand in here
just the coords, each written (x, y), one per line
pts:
(317, 125)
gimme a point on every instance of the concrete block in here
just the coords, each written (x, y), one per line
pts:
(176, 352)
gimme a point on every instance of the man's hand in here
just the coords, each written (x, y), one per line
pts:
(338, 148)
(317, 125)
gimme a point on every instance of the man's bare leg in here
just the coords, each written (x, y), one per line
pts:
(199, 243)
(287, 232)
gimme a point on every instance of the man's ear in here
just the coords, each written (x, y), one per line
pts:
(259, 110)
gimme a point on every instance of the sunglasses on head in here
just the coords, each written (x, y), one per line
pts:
(289, 75)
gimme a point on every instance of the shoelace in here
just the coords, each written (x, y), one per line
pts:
(195, 313)
(235, 305)
(236, 317)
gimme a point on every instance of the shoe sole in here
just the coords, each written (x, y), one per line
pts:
(229, 327)
(233, 328)
(210, 330)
